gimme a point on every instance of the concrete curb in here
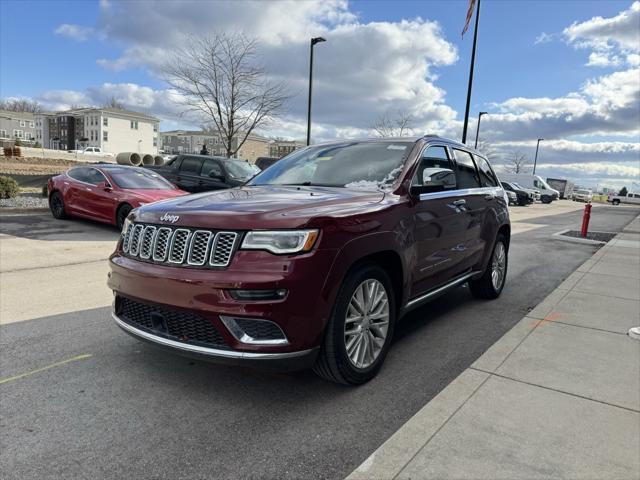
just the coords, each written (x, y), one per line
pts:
(560, 236)
(20, 211)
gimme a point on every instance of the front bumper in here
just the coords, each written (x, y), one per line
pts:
(202, 297)
(286, 361)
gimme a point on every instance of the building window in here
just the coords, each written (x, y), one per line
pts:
(32, 125)
(105, 136)
(155, 141)
(105, 121)
(22, 123)
(17, 133)
(134, 124)
(155, 127)
(3, 133)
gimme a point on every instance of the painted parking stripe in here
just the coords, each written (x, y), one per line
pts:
(48, 367)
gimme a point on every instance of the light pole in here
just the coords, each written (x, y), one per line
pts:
(478, 127)
(314, 40)
(535, 160)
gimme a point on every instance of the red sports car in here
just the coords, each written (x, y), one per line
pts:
(106, 193)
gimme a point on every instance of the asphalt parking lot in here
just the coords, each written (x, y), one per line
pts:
(81, 399)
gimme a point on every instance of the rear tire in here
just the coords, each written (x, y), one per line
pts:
(490, 285)
(615, 202)
(347, 338)
(545, 199)
(121, 214)
(56, 205)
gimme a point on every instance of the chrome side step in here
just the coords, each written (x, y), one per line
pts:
(422, 299)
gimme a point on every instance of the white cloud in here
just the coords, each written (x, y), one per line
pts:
(75, 32)
(544, 38)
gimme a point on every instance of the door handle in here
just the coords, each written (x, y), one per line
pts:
(489, 197)
(459, 203)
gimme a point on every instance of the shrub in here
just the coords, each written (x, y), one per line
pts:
(8, 187)
(45, 191)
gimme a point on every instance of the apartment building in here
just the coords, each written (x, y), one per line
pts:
(281, 148)
(190, 141)
(113, 130)
(17, 126)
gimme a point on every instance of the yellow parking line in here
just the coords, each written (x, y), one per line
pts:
(42, 369)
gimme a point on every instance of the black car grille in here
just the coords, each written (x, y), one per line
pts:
(179, 246)
(175, 325)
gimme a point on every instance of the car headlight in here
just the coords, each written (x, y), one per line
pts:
(125, 226)
(280, 241)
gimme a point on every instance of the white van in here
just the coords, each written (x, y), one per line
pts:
(547, 194)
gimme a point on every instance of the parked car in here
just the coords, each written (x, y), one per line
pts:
(582, 196)
(547, 194)
(263, 162)
(631, 197)
(97, 151)
(522, 197)
(201, 173)
(512, 197)
(106, 193)
(314, 260)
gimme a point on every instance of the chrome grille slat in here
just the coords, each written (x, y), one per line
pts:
(180, 246)
(161, 244)
(222, 249)
(199, 247)
(146, 244)
(136, 236)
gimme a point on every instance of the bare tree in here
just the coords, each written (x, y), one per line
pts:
(396, 126)
(113, 102)
(218, 78)
(486, 149)
(517, 162)
(20, 105)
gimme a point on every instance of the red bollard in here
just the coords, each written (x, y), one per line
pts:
(585, 220)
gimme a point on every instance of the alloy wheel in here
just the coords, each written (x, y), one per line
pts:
(498, 266)
(367, 323)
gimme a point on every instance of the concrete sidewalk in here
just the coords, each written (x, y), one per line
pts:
(558, 396)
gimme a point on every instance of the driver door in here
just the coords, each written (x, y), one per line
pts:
(212, 176)
(440, 221)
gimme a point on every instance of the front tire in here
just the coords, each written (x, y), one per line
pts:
(616, 202)
(360, 329)
(489, 286)
(122, 214)
(56, 205)
(545, 199)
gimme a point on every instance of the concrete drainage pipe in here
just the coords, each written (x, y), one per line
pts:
(129, 158)
(158, 160)
(147, 159)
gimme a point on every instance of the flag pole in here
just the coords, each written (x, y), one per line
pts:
(473, 61)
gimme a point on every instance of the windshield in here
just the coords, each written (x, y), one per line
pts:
(240, 169)
(517, 185)
(139, 179)
(360, 165)
(583, 192)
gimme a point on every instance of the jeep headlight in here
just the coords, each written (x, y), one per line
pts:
(280, 241)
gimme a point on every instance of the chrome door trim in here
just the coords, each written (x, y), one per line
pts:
(416, 302)
(461, 193)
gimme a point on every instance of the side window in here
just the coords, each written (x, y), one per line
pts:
(466, 171)
(432, 157)
(487, 178)
(79, 174)
(94, 177)
(211, 168)
(191, 165)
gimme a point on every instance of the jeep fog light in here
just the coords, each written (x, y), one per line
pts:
(256, 295)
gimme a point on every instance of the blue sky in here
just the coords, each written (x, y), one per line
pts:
(513, 71)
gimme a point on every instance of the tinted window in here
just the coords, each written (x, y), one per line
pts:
(211, 168)
(466, 171)
(94, 177)
(79, 174)
(507, 186)
(139, 179)
(486, 175)
(432, 157)
(191, 165)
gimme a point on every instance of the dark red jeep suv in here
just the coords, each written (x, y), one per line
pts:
(314, 260)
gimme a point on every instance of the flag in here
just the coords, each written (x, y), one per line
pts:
(472, 4)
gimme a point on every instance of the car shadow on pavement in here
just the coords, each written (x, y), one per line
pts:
(44, 227)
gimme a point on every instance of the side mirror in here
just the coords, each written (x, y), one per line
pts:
(437, 179)
(215, 175)
(105, 186)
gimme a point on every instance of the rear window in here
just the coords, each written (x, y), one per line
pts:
(139, 180)
(191, 165)
(487, 178)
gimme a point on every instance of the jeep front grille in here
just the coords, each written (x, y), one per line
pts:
(179, 246)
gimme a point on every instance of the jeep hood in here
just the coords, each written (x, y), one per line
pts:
(260, 207)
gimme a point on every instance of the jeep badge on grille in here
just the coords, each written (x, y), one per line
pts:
(169, 218)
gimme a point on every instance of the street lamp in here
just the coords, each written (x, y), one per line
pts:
(478, 127)
(535, 160)
(314, 40)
